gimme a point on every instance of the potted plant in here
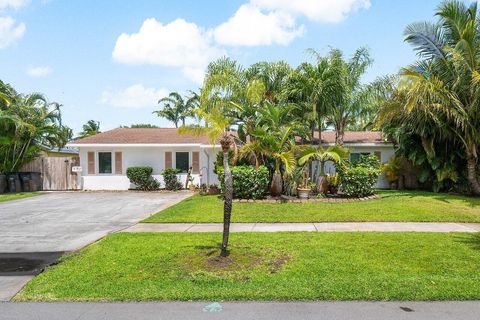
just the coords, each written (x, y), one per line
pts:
(191, 185)
(213, 189)
(333, 181)
(303, 189)
(391, 170)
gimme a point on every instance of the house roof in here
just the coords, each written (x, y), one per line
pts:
(140, 136)
(353, 137)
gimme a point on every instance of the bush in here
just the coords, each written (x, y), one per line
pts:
(367, 161)
(248, 182)
(359, 181)
(142, 178)
(171, 180)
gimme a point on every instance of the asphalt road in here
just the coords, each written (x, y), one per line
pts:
(243, 310)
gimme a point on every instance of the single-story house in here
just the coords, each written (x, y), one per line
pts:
(105, 157)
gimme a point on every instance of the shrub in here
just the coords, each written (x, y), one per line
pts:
(142, 178)
(367, 161)
(359, 181)
(171, 180)
(248, 182)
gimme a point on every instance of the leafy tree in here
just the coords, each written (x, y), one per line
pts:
(437, 98)
(90, 128)
(28, 124)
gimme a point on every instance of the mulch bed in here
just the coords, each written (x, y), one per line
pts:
(287, 199)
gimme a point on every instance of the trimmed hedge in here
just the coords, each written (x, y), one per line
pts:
(358, 182)
(171, 180)
(142, 178)
(248, 182)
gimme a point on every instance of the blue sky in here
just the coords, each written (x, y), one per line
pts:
(111, 60)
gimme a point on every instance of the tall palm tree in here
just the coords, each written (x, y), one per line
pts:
(355, 103)
(439, 95)
(317, 87)
(90, 128)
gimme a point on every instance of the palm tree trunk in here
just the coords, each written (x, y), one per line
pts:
(340, 134)
(227, 203)
(472, 173)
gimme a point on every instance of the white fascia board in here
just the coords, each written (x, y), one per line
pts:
(138, 145)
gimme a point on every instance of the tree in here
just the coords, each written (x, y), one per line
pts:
(355, 104)
(176, 109)
(28, 124)
(90, 128)
(437, 98)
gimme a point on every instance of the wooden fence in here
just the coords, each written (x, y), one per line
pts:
(56, 172)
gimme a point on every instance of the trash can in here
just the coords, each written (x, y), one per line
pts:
(14, 184)
(25, 180)
(3, 183)
(36, 183)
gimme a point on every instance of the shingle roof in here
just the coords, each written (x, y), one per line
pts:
(142, 136)
(171, 136)
(353, 137)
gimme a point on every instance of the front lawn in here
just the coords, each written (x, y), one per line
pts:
(393, 206)
(262, 266)
(16, 196)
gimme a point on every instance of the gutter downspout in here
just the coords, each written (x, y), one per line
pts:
(208, 167)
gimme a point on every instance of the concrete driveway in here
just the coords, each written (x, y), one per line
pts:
(70, 220)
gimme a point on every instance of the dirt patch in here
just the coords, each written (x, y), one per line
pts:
(214, 263)
(277, 263)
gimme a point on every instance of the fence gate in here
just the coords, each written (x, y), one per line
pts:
(56, 172)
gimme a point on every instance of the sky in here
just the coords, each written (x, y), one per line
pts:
(111, 60)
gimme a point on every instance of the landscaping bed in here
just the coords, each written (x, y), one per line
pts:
(276, 266)
(286, 199)
(398, 206)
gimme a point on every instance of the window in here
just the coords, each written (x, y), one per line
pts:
(182, 162)
(355, 156)
(104, 162)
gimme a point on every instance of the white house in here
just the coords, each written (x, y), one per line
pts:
(105, 157)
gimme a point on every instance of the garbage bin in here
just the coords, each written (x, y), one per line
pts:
(3, 183)
(14, 184)
(36, 183)
(25, 180)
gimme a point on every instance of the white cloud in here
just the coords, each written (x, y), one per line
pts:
(10, 31)
(249, 26)
(135, 96)
(318, 10)
(14, 4)
(39, 71)
(178, 44)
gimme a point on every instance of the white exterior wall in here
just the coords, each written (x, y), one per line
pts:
(387, 152)
(152, 156)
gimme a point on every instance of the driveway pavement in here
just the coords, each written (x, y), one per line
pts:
(70, 220)
(467, 310)
(33, 230)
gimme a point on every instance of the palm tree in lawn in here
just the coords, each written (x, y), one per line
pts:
(356, 99)
(441, 92)
(221, 89)
(273, 75)
(90, 128)
(317, 87)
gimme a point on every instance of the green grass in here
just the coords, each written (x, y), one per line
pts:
(267, 266)
(16, 196)
(393, 206)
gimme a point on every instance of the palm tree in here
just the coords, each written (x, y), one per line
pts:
(440, 94)
(176, 109)
(90, 128)
(317, 88)
(356, 99)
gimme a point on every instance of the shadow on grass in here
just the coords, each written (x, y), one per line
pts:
(473, 240)
(470, 201)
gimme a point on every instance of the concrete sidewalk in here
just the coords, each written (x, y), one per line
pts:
(444, 310)
(315, 227)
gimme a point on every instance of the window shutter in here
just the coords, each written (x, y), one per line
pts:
(168, 160)
(91, 162)
(195, 162)
(118, 163)
(378, 154)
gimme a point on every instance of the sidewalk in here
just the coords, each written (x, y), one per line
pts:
(314, 227)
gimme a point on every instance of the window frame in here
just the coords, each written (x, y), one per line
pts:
(112, 163)
(189, 160)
